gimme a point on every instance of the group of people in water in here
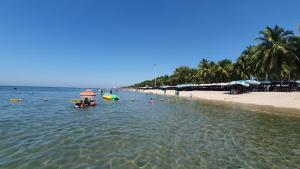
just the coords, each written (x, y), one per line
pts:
(87, 98)
(85, 103)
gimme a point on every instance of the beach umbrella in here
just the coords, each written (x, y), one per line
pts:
(252, 82)
(180, 85)
(88, 94)
(165, 87)
(233, 82)
(240, 82)
(223, 84)
(265, 82)
(89, 97)
(298, 81)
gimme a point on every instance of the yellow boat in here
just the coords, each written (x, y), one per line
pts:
(15, 100)
(110, 97)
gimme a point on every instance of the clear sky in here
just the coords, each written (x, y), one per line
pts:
(97, 43)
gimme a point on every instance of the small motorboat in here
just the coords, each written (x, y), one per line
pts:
(87, 99)
(110, 96)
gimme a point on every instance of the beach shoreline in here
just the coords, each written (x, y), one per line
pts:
(285, 103)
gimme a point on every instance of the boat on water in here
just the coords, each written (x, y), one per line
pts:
(15, 100)
(108, 96)
(87, 99)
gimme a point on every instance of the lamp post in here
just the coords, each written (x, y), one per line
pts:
(155, 74)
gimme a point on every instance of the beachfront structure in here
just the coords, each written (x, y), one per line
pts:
(236, 87)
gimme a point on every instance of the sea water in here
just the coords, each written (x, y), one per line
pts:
(132, 133)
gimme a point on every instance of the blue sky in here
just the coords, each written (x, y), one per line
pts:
(95, 43)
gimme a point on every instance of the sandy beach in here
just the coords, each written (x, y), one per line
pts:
(290, 100)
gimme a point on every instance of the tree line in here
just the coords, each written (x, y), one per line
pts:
(275, 57)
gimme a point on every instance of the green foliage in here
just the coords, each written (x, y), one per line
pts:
(275, 53)
(183, 75)
(276, 56)
(206, 71)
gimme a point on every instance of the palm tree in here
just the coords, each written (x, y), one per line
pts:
(274, 54)
(223, 71)
(294, 69)
(182, 75)
(193, 75)
(297, 65)
(241, 66)
(205, 70)
(248, 64)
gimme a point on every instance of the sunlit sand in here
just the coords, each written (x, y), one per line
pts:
(274, 99)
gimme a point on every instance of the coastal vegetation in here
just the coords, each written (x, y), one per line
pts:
(275, 57)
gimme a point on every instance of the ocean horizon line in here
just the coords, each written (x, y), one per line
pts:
(47, 86)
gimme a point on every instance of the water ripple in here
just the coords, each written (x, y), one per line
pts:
(173, 134)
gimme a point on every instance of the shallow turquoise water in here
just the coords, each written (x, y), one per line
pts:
(174, 133)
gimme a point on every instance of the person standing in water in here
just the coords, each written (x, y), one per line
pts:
(151, 101)
(85, 102)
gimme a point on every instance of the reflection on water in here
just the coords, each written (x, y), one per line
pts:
(135, 134)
